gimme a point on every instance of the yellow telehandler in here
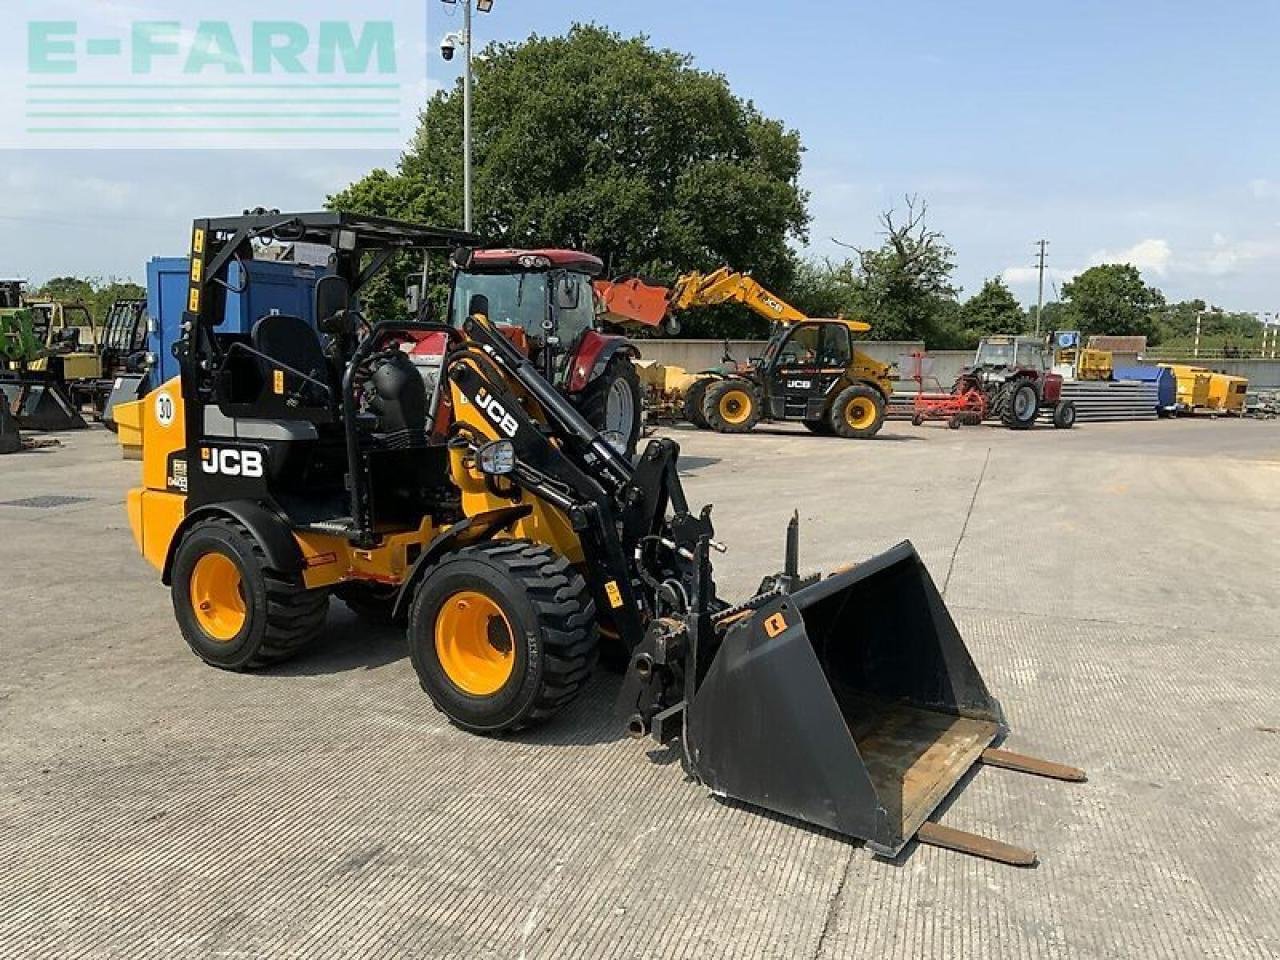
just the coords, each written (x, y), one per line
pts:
(429, 475)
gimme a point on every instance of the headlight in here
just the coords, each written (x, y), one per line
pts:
(497, 459)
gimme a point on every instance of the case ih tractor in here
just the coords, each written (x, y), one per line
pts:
(1012, 376)
(545, 302)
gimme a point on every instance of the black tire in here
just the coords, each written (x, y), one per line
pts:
(693, 400)
(820, 427)
(918, 420)
(857, 412)
(550, 626)
(1064, 415)
(1021, 405)
(602, 411)
(956, 421)
(732, 406)
(371, 602)
(281, 616)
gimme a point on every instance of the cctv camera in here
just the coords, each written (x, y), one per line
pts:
(448, 46)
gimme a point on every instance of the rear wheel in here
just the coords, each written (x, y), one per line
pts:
(1021, 405)
(1064, 415)
(858, 412)
(234, 612)
(732, 406)
(612, 403)
(693, 400)
(502, 635)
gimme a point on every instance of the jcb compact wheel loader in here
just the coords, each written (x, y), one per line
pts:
(460, 494)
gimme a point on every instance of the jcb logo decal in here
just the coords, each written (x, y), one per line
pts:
(496, 412)
(232, 463)
(799, 384)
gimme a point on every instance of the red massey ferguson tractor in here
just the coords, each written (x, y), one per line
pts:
(545, 302)
(1010, 381)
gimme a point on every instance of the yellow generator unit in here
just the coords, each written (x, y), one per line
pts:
(1094, 365)
(1193, 385)
(1227, 393)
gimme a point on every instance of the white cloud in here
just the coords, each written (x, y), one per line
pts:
(1153, 255)
(1024, 276)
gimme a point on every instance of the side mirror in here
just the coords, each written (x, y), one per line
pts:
(568, 292)
(413, 298)
(333, 300)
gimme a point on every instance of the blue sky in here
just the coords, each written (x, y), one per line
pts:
(1131, 130)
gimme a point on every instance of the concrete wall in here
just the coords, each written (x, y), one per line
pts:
(695, 355)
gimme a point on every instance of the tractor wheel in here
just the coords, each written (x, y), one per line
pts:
(820, 427)
(1064, 415)
(1021, 405)
(502, 635)
(234, 612)
(693, 400)
(956, 421)
(858, 412)
(612, 404)
(371, 602)
(732, 406)
(918, 420)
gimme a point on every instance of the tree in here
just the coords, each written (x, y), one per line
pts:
(992, 310)
(903, 287)
(604, 143)
(94, 292)
(1112, 299)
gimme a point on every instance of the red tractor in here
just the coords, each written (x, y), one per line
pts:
(545, 302)
(1010, 380)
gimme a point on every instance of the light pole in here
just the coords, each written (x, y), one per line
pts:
(1042, 244)
(447, 47)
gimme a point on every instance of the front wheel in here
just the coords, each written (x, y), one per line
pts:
(502, 635)
(858, 412)
(1064, 415)
(732, 406)
(234, 612)
(612, 403)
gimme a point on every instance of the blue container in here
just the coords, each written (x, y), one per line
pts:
(1166, 383)
(271, 287)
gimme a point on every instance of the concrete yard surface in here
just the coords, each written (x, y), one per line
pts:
(1116, 585)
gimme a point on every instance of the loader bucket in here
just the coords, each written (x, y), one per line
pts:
(42, 405)
(851, 704)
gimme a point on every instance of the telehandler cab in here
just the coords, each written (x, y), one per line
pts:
(468, 498)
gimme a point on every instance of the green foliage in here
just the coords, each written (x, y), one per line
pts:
(903, 288)
(606, 144)
(1112, 299)
(94, 292)
(992, 310)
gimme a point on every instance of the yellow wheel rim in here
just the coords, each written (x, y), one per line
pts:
(474, 643)
(217, 597)
(860, 413)
(735, 407)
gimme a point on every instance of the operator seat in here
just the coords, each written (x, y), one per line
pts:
(292, 342)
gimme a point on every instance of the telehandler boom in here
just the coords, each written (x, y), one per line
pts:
(464, 497)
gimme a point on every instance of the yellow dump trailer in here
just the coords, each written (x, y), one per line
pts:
(1193, 385)
(1227, 393)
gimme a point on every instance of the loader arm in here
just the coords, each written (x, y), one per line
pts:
(729, 286)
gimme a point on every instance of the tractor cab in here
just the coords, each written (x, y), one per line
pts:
(800, 365)
(544, 301)
(1011, 353)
